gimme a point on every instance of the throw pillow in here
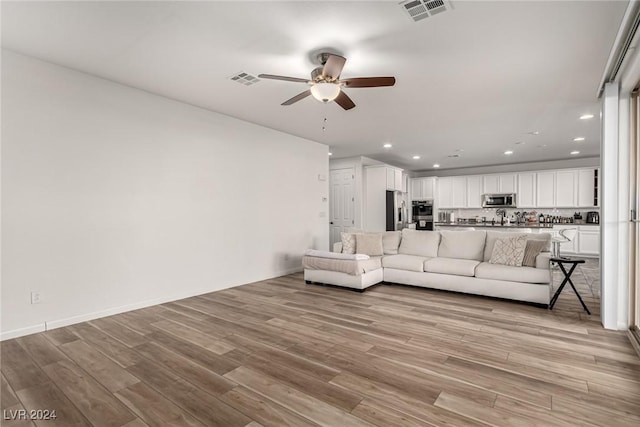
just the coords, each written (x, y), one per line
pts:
(532, 250)
(369, 244)
(348, 243)
(509, 251)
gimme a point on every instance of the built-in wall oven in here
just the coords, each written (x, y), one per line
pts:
(422, 214)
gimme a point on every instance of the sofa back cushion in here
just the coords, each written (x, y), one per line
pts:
(462, 244)
(391, 242)
(419, 242)
(492, 236)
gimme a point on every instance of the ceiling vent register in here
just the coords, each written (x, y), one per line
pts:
(421, 9)
(244, 79)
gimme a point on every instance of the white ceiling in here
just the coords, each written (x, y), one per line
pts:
(476, 78)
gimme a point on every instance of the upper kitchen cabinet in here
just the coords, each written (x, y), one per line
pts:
(394, 178)
(587, 188)
(499, 183)
(452, 192)
(526, 194)
(566, 189)
(423, 188)
(546, 189)
(474, 192)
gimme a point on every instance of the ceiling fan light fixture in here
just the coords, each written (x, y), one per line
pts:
(325, 92)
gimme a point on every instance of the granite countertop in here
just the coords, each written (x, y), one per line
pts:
(489, 225)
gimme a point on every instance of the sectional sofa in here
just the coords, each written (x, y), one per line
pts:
(476, 262)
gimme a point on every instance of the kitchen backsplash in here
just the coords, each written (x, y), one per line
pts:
(490, 214)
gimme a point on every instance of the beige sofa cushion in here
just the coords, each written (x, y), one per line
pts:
(353, 267)
(404, 262)
(369, 244)
(419, 243)
(513, 274)
(391, 242)
(462, 244)
(492, 236)
(458, 267)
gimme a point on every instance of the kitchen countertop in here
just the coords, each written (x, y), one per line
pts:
(489, 225)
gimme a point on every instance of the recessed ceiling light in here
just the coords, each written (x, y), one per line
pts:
(573, 153)
(541, 145)
(416, 157)
(330, 153)
(387, 145)
(533, 132)
(459, 150)
(508, 153)
(586, 116)
(579, 138)
(436, 165)
(453, 155)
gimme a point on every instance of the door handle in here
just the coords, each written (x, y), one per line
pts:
(331, 222)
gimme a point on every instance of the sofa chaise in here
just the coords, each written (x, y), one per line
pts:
(506, 265)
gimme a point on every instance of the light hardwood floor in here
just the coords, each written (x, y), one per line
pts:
(279, 352)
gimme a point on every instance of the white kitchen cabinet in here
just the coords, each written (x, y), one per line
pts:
(566, 188)
(589, 240)
(526, 194)
(397, 179)
(423, 188)
(459, 195)
(405, 182)
(394, 178)
(499, 183)
(474, 192)
(587, 188)
(445, 193)
(546, 189)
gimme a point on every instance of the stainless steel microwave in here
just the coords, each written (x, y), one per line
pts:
(499, 200)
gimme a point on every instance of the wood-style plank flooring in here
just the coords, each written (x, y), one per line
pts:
(282, 353)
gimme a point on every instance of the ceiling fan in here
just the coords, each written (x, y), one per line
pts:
(326, 85)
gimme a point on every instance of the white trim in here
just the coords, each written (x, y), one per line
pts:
(16, 333)
(609, 207)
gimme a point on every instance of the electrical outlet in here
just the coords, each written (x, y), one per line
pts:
(36, 297)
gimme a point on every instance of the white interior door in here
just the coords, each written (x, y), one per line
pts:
(342, 183)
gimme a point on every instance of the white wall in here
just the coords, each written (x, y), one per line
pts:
(114, 198)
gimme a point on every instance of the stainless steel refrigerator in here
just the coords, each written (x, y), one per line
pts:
(396, 211)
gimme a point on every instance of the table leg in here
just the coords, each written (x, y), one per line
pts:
(567, 278)
(557, 294)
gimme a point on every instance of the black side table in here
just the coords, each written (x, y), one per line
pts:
(561, 261)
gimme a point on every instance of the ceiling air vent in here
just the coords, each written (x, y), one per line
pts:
(420, 9)
(244, 79)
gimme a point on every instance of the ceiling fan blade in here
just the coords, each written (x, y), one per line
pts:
(285, 78)
(333, 66)
(344, 101)
(297, 98)
(369, 81)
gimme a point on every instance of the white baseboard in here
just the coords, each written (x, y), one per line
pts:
(16, 333)
(60, 323)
